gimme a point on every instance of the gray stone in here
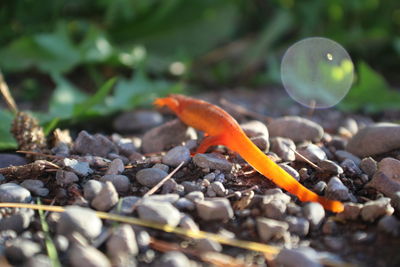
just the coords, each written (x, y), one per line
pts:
(337, 190)
(389, 224)
(170, 198)
(185, 204)
(191, 186)
(87, 256)
(311, 152)
(20, 250)
(18, 221)
(351, 125)
(373, 210)
(298, 257)
(188, 223)
(106, 198)
(218, 188)
(166, 135)
(173, 259)
(122, 242)
(10, 192)
(170, 186)
(91, 189)
(7, 160)
(61, 243)
(330, 166)
(351, 168)
(150, 177)
(254, 128)
(137, 120)
(284, 148)
(298, 225)
(369, 166)
(116, 167)
(262, 142)
(64, 178)
(343, 155)
(39, 260)
(314, 213)
(96, 145)
(320, 187)
(161, 167)
(391, 168)
(81, 220)
(36, 187)
(292, 171)
(274, 208)
(78, 167)
(175, 156)
(195, 196)
(384, 184)
(351, 211)
(212, 161)
(296, 128)
(159, 212)
(205, 244)
(121, 182)
(214, 209)
(126, 205)
(269, 229)
(375, 139)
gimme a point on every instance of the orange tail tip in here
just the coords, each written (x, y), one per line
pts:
(332, 205)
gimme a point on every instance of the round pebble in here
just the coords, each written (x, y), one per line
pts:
(106, 198)
(314, 213)
(175, 156)
(91, 189)
(121, 182)
(212, 161)
(296, 128)
(10, 192)
(36, 187)
(337, 190)
(150, 177)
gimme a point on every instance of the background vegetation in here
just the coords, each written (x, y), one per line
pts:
(73, 59)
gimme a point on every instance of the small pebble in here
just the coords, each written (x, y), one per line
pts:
(218, 188)
(185, 204)
(116, 167)
(337, 190)
(391, 168)
(36, 187)
(271, 229)
(81, 220)
(7, 160)
(188, 223)
(210, 177)
(254, 128)
(342, 155)
(389, 224)
(214, 209)
(10, 192)
(150, 177)
(351, 168)
(373, 210)
(161, 167)
(212, 161)
(195, 196)
(175, 156)
(274, 208)
(369, 166)
(64, 178)
(122, 242)
(20, 250)
(303, 172)
(311, 152)
(173, 259)
(284, 148)
(166, 135)
(292, 171)
(121, 182)
(314, 213)
(91, 189)
(159, 212)
(298, 257)
(205, 244)
(18, 221)
(384, 184)
(296, 128)
(170, 186)
(262, 142)
(191, 186)
(96, 145)
(298, 225)
(330, 166)
(320, 187)
(78, 167)
(351, 211)
(106, 198)
(170, 198)
(80, 256)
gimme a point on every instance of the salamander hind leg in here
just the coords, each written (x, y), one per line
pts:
(207, 143)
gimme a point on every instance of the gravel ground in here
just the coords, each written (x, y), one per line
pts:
(354, 159)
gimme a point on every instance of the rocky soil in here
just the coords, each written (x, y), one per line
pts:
(351, 158)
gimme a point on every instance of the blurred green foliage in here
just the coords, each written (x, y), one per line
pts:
(154, 47)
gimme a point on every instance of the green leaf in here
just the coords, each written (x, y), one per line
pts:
(371, 94)
(7, 141)
(95, 99)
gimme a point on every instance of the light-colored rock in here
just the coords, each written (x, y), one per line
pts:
(373, 210)
(298, 257)
(296, 128)
(175, 156)
(212, 161)
(311, 152)
(106, 199)
(150, 177)
(369, 166)
(375, 139)
(269, 229)
(337, 190)
(89, 256)
(214, 209)
(284, 148)
(10, 192)
(314, 213)
(159, 212)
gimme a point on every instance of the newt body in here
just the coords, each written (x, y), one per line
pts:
(223, 129)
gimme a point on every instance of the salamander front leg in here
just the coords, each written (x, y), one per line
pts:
(207, 143)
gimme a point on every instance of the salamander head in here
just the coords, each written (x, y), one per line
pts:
(169, 101)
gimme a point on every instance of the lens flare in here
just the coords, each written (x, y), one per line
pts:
(317, 72)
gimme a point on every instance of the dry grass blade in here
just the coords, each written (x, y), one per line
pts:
(39, 154)
(5, 91)
(28, 171)
(305, 159)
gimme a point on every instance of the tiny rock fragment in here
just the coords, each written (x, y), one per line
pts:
(372, 210)
(214, 209)
(175, 156)
(160, 212)
(314, 213)
(337, 190)
(150, 177)
(106, 199)
(96, 145)
(296, 128)
(212, 161)
(270, 229)
(10, 192)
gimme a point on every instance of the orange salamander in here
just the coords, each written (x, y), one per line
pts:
(222, 129)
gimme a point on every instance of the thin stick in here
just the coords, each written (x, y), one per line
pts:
(39, 154)
(166, 178)
(5, 91)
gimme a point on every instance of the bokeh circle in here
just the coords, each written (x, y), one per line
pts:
(317, 72)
